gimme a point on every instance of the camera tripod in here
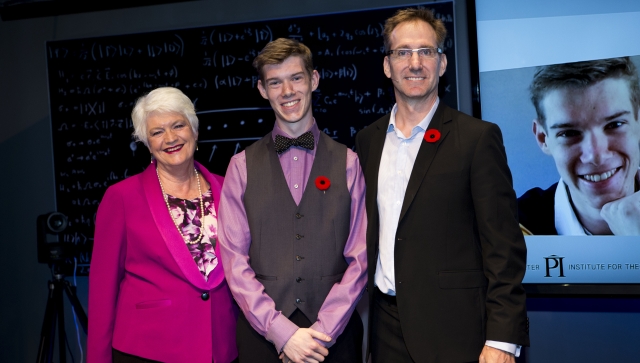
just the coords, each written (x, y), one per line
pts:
(55, 312)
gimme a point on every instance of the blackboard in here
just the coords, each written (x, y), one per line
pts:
(94, 82)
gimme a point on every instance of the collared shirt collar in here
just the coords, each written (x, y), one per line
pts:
(420, 127)
(566, 220)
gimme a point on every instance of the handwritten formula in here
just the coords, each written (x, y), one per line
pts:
(94, 83)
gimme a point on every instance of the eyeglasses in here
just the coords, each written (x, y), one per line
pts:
(405, 54)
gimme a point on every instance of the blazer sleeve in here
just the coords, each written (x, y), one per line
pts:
(503, 248)
(107, 270)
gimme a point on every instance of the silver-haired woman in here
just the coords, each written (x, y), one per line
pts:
(156, 288)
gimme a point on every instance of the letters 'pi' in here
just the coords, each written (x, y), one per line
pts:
(557, 263)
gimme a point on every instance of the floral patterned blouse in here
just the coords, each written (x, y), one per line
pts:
(187, 215)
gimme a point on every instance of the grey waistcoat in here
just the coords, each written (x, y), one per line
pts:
(297, 251)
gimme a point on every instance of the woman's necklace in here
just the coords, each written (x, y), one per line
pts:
(166, 201)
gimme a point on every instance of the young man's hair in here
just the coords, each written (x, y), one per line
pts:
(581, 75)
(412, 15)
(277, 51)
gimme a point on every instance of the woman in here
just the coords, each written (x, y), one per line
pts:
(156, 286)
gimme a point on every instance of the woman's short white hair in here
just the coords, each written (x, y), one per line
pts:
(161, 100)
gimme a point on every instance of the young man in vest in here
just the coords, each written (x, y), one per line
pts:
(292, 227)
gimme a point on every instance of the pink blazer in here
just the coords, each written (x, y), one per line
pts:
(146, 294)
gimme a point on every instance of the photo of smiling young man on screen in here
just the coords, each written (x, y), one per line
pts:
(588, 122)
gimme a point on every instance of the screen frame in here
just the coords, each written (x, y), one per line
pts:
(557, 290)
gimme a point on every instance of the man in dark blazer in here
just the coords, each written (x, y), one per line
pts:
(445, 251)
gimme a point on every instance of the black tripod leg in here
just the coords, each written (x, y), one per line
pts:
(77, 307)
(47, 334)
(62, 337)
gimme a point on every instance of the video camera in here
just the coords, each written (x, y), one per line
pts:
(50, 249)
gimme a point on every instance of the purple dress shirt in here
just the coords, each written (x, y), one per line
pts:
(235, 240)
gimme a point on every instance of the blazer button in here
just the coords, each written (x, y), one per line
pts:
(205, 296)
(299, 236)
(298, 301)
(298, 258)
(298, 279)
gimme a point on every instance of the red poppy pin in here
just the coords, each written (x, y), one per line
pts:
(432, 135)
(323, 183)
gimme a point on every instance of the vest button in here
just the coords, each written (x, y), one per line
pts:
(298, 258)
(298, 215)
(299, 236)
(298, 279)
(298, 301)
(205, 296)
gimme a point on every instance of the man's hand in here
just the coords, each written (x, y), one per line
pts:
(302, 348)
(493, 355)
(623, 215)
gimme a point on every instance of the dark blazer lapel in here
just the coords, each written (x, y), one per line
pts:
(375, 151)
(373, 170)
(168, 230)
(441, 122)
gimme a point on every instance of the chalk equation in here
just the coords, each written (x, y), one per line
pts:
(94, 84)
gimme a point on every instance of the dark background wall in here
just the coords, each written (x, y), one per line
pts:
(585, 330)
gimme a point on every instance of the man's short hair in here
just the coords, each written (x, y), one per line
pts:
(410, 15)
(580, 75)
(277, 51)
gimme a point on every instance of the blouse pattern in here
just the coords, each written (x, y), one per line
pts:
(186, 213)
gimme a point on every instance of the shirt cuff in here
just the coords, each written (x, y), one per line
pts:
(507, 347)
(316, 326)
(281, 331)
